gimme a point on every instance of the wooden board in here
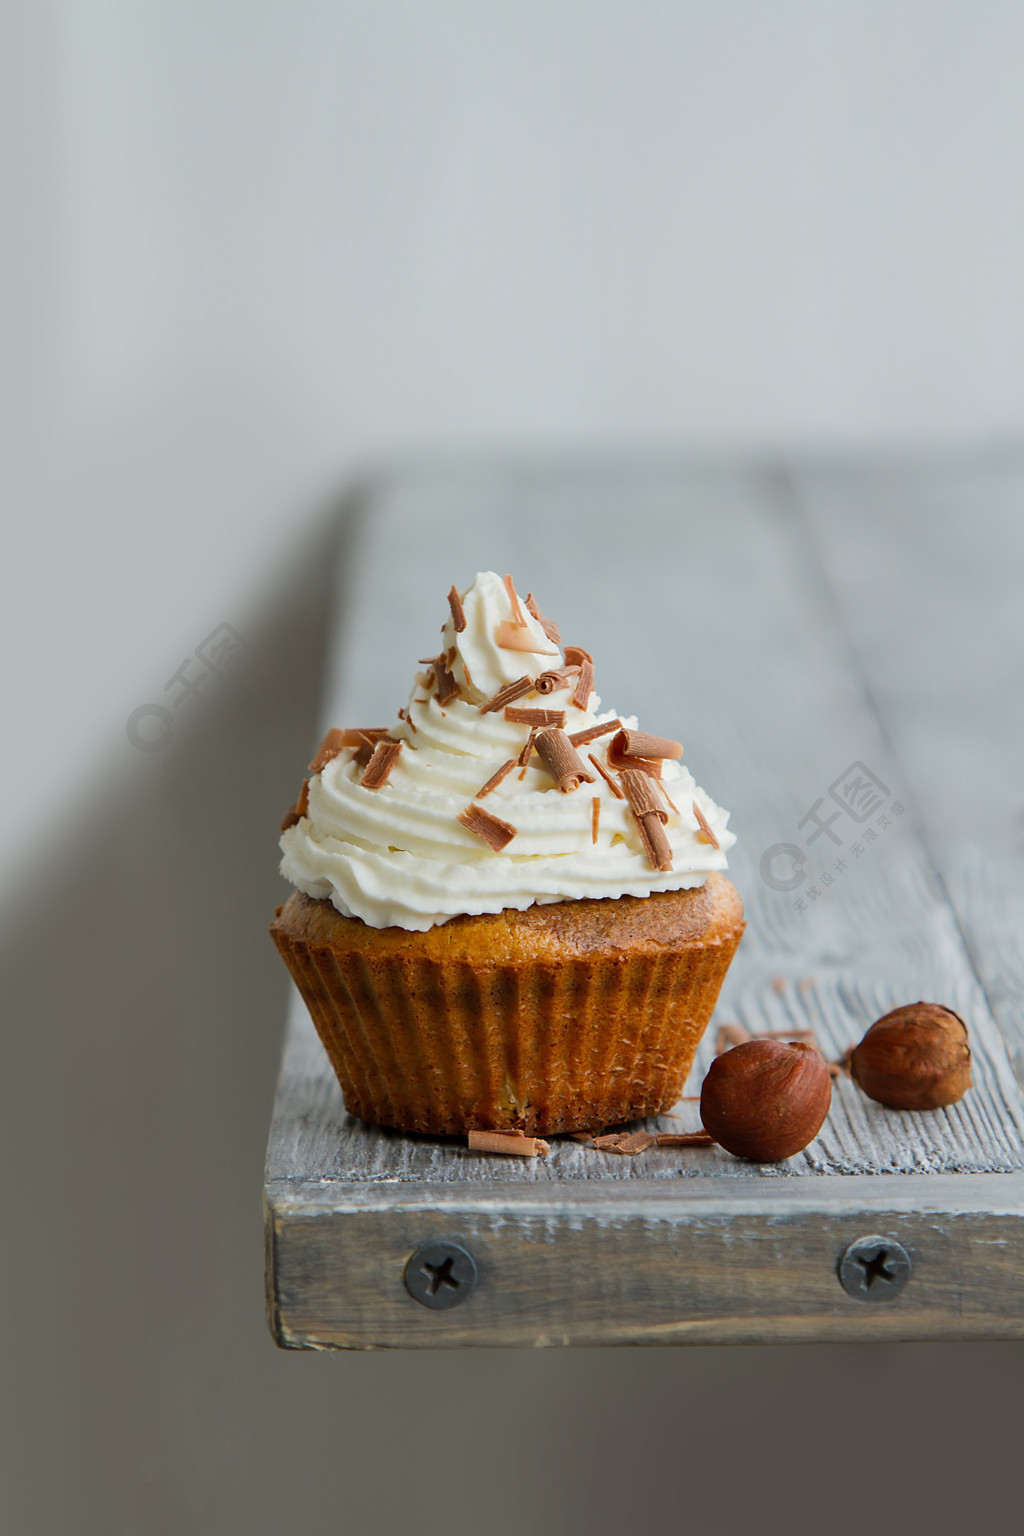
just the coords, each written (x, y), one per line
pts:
(731, 607)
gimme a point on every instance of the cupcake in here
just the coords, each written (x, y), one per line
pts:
(510, 911)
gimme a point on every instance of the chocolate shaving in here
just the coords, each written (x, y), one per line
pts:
(730, 1035)
(580, 738)
(527, 752)
(616, 791)
(595, 817)
(385, 756)
(562, 760)
(625, 1143)
(495, 779)
(575, 655)
(641, 794)
(509, 1142)
(458, 612)
(507, 694)
(465, 669)
(327, 750)
(513, 637)
(656, 845)
(431, 661)
(547, 682)
(497, 834)
(299, 809)
(619, 758)
(518, 617)
(640, 744)
(549, 626)
(580, 1136)
(447, 687)
(363, 740)
(685, 1139)
(709, 836)
(537, 717)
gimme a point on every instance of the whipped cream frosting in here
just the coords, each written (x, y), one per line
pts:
(398, 855)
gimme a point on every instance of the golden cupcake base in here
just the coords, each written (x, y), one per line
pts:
(565, 1017)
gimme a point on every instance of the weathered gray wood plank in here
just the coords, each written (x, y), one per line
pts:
(927, 567)
(715, 574)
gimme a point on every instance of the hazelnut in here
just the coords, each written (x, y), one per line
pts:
(916, 1057)
(766, 1099)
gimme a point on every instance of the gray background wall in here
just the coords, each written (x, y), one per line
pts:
(247, 248)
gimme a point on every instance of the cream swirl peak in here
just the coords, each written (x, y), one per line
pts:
(479, 798)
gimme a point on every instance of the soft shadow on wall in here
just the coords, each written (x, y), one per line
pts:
(145, 1006)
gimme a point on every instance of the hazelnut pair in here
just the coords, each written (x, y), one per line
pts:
(765, 1099)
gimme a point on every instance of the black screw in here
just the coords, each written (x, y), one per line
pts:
(874, 1269)
(440, 1274)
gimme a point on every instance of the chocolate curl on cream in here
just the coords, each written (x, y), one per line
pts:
(616, 791)
(548, 682)
(299, 809)
(705, 827)
(619, 758)
(506, 695)
(581, 738)
(495, 779)
(513, 637)
(527, 752)
(656, 844)
(363, 739)
(549, 626)
(518, 617)
(562, 761)
(641, 794)
(640, 744)
(576, 656)
(537, 717)
(595, 817)
(497, 834)
(458, 612)
(385, 756)
(447, 687)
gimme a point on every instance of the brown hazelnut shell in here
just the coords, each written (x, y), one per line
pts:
(766, 1099)
(916, 1057)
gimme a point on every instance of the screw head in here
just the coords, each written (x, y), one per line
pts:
(874, 1269)
(440, 1274)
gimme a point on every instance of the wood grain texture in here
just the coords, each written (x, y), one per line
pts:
(732, 617)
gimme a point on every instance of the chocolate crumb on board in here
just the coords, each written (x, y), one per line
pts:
(299, 809)
(595, 817)
(497, 834)
(518, 617)
(495, 779)
(642, 744)
(458, 612)
(705, 827)
(619, 758)
(729, 1035)
(625, 1143)
(538, 717)
(581, 738)
(513, 1143)
(684, 1139)
(377, 771)
(549, 626)
(615, 788)
(562, 761)
(778, 983)
(576, 655)
(508, 694)
(580, 1136)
